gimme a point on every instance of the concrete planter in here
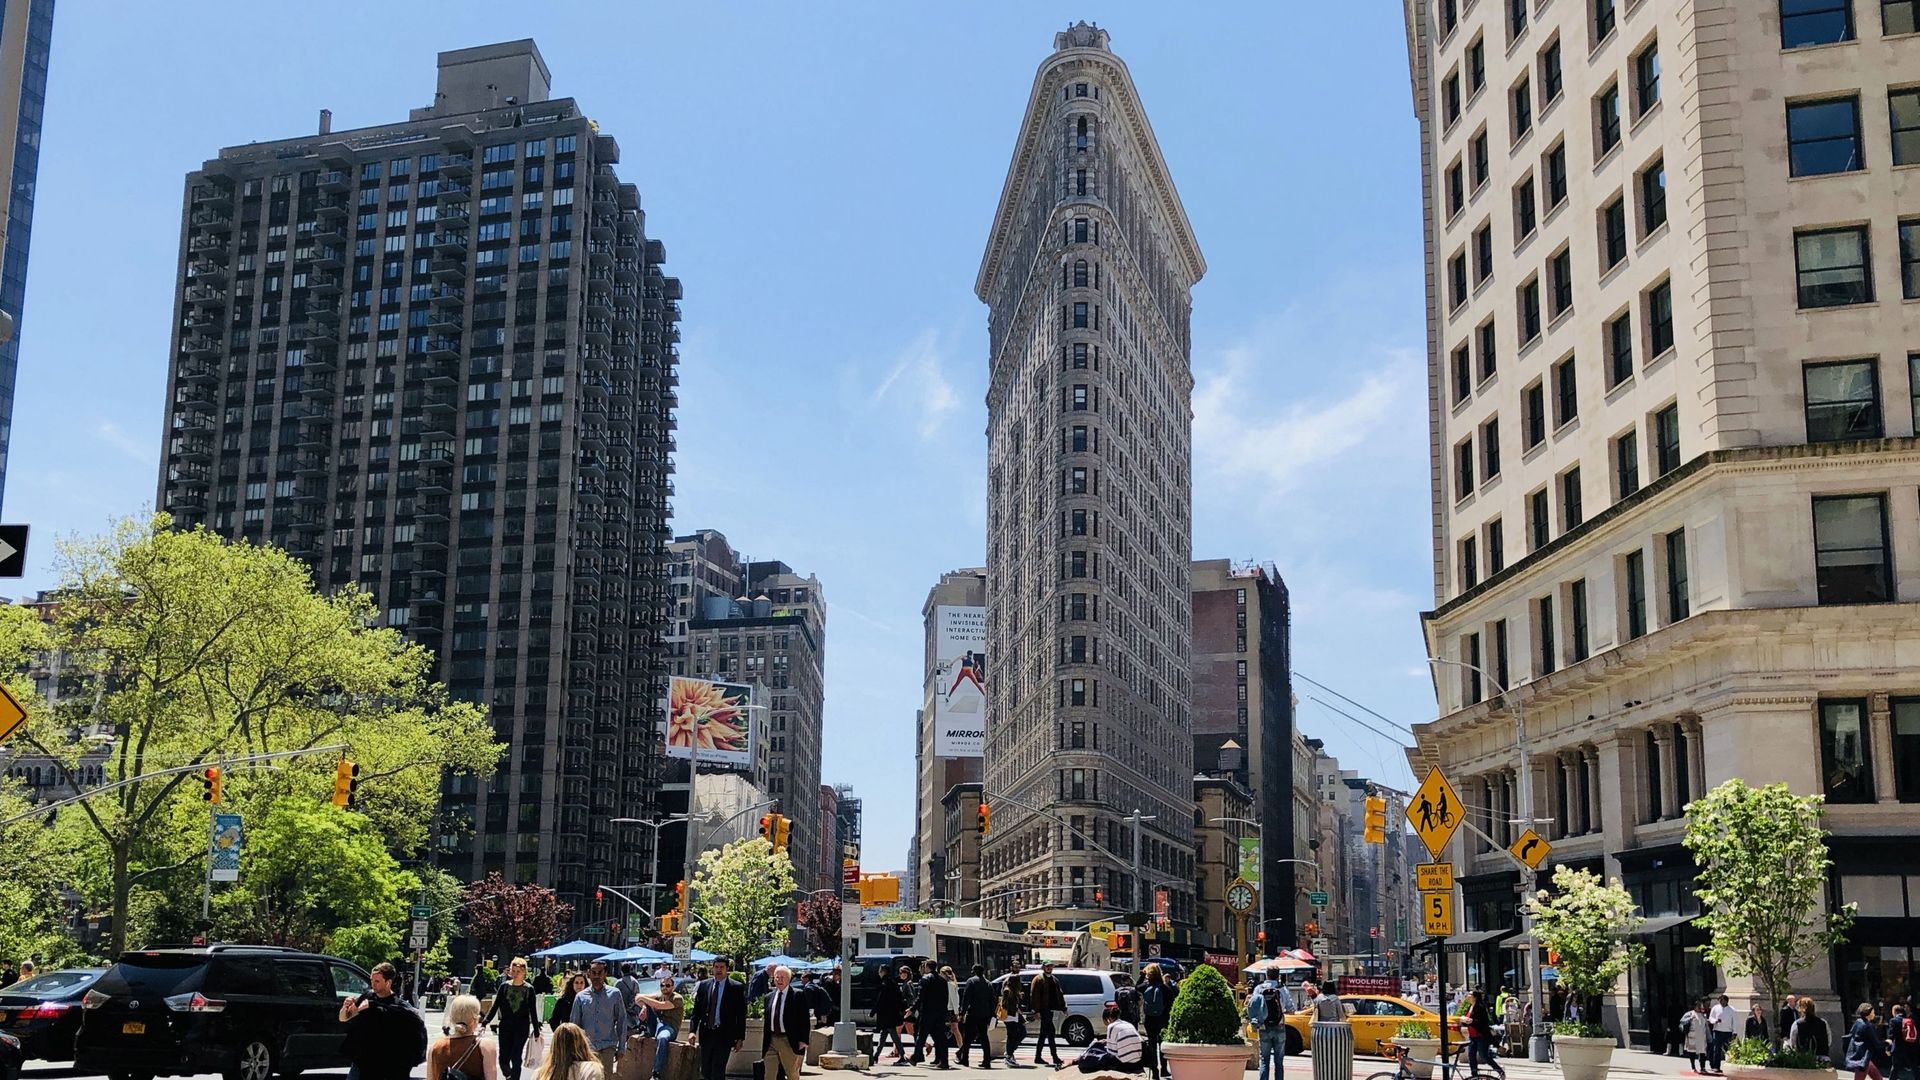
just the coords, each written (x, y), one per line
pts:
(1202, 1061)
(1424, 1053)
(740, 1062)
(1772, 1072)
(1583, 1059)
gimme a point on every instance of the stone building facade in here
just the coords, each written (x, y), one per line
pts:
(1087, 276)
(1673, 349)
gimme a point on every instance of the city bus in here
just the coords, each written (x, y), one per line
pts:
(955, 943)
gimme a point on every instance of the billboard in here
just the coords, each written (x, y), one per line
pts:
(1250, 860)
(712, 716)
(959, 681)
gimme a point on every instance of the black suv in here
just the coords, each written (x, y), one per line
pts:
(246, 1011)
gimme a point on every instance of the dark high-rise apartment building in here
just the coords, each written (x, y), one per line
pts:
(1087, 274)
(435, 359)
(26, 39)
(1243, 711)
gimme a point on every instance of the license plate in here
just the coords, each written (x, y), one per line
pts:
(133, 1027)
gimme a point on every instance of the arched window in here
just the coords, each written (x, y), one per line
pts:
(1080, 274)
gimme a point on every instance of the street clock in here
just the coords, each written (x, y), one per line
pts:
(1239, 897)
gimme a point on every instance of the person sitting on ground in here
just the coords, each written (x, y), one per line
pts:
(1119, 1050)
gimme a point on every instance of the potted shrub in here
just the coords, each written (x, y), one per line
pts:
(1756, 1059)
(1203, 1039)
(1586, 921)
(1422, 1045)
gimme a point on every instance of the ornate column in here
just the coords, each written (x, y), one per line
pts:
(1880, 747)
(1669, 781)
(1565, 809)
(1696, 759)
(1590, 787)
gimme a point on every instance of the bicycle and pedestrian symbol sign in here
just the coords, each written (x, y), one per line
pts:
(1435, 812)
(1531, 848)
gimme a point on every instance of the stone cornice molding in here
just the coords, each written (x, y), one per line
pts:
(1126, 104)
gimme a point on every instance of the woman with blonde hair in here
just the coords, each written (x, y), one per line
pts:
(571, 1056)
(461, 1050)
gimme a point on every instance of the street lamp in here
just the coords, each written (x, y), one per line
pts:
(653, 875)
(1540, 1045)
(1260, 838)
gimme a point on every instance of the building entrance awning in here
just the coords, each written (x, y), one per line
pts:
(1660, 923)
(1461, 942)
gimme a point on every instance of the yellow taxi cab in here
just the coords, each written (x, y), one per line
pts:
(1375, 1019)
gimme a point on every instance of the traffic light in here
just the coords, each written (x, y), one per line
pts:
(346, 777)
(782, 831)
(766, 827)
(680, 896)
(1099, 896)
(210, 782)
(1376, 823)
(598, 896)
(986, 819)
(1261, 939)
(1312, 929)
(671, 923)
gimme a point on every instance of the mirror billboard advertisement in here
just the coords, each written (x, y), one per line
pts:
(959, 681)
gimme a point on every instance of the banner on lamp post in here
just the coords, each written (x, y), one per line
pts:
(223, 847)
(1250, 860)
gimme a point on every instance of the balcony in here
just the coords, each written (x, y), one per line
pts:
(194, 397)
(331, 210)
(329, 257)
(213, 247)
(450, 194)
(203, 296)
(201, 346)
(600, 254)
(335, 181)
(316, 437)
(450, 268)
(320, 308)
(456, 167)
(317, 392)
(328, 233)
(219, 222)
(446, 320)
(199, 371)
(598, 331)
(192, 475)
(318, 331)
(207, 272)
(454, 243)
(458, 212)
(191, 448)
(309, 465)
(426, 537)
(187, 502)
(432, 510)
(444, 348)
(323, 284)
(441, 401)
(203, 322)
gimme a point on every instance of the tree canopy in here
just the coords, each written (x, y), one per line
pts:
(740, 894)
(1586, 919)
(511, 919)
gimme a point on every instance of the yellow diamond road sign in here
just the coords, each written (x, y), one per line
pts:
(1531, 848)
(11, 714)
(1435, 812)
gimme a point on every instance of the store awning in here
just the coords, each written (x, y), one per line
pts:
(1460, 942)
(1661, 923)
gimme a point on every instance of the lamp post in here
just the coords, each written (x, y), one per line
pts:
(1260, 885)
(1539, 1045)
(653, 874)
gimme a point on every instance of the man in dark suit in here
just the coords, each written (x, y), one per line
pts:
(789, 1026)
(719, 1021)
(933, 1015)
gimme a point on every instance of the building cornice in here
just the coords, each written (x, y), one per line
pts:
(1027, 148)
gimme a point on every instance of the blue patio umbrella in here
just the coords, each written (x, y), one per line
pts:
(575, 950)
(702, 956)
(783, 960)
(639, 954)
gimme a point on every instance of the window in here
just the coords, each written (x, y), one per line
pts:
(1613, 233)
(1449, 16)
(1556, 169)
(1522, 109)
(1462, 373)
(1480, 155)
(1910, 258)
(1679, 604)
(1560, 282)
(1903, 108)
(1483, 252)
(1570, 512)
(1565, 393)
(1489, 355)
(1659, 319)
(1666, 440)
(1496, 547)
(1603, 20)
(1906, 746)
(1551, 78)
(1463, 470)
(1620, 349)
(1501, 676)
(1533, 415)
(1653, 196)
(1476, 66)
(1525, 214)
(1490, 449)
(1607, 120)
(1516, 18)
(1543, 618)
(1470, 671)
(1852, 563)
(1529, 314)
(1469, 565)
(1635, 567)
(1815, 22)
(1913, 383)
(1823, 137)
(1899, 17)
(1456, 188)
(1457, 280)
(1450, 99)
(1577, 619)
(1626, 463)
(1843, 401)
(1832, 267)
(1646, 79)
(1539, 519)
(1843, 751)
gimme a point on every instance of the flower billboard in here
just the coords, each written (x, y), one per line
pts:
(712, 716)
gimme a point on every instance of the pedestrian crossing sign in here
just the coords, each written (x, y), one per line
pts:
(1435, 812)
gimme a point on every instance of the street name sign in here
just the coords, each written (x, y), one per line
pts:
(419, 911)
(1435, 812)
(1436, 914)
(1433, 877)
(1317, 899)
(1531, 848)
(11, 714)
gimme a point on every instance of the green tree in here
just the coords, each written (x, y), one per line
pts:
(308, 870)
(1763, 863)
(184, 650)
(36, 865)
(1586, 919)
(740, 893)
(367, 944)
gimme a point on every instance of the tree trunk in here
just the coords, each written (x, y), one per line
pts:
(122, 885)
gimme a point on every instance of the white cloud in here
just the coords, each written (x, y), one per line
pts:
(917, 383)
(109, 433)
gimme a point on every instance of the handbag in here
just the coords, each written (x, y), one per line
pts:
(534, 1054)
(456, 1071)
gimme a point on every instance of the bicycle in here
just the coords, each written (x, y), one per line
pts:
(1448, 1069)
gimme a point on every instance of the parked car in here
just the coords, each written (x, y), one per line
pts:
(245, 1011)
(1087, 991)
(11, 1058)
(44, 1012)
(1374, 1019)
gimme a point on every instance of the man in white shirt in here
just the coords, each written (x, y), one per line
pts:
(1117, 1051)
(1721, 1018)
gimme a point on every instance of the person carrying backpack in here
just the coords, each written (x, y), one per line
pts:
(1903, 1039)
(1156, 1002)
(1267, 1012)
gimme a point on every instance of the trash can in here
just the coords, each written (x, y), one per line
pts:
(1332, 1050)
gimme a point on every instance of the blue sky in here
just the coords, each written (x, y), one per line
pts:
(823, 176)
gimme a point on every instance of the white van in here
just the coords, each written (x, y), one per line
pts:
(1087, 991)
